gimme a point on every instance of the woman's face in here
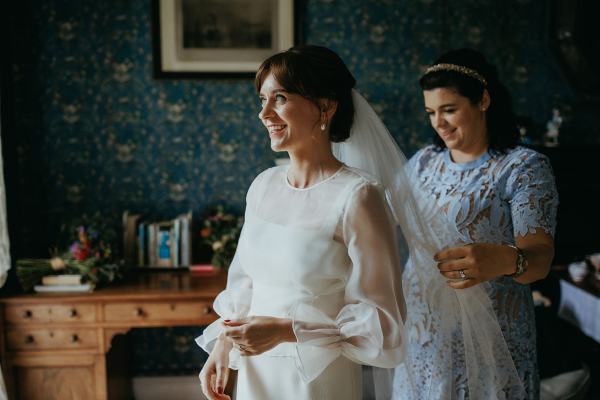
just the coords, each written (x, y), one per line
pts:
(457, 121)
(291, 119)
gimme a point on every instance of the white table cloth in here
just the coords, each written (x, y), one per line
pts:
(580, 308)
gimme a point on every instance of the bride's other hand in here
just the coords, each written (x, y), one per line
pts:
(215, 373)
(255, 335)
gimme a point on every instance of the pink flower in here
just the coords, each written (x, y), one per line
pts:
(80, 251)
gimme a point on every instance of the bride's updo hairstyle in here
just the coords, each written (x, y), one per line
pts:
(314, 72)
(467, 72)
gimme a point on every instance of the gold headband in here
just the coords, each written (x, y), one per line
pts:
(456, 68)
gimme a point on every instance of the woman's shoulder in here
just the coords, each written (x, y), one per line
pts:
(524, 157)
(357, 177)
(429, 151)
(424, 157)
(522, 167)
(361, 185)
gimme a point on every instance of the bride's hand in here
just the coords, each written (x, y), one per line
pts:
(215, 373)
(255, 335)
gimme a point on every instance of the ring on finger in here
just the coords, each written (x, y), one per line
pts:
(461, 273)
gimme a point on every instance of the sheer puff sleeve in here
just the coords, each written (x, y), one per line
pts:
(369, 328)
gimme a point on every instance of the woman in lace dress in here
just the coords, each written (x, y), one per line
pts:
(314, 289)
(500, 201)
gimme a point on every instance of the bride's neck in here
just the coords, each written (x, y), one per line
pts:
(308, 170)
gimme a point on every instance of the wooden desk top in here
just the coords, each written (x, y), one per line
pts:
(180, 285)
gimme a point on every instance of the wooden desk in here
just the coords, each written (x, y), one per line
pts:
(54, 346)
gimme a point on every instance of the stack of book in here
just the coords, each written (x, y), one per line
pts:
(63, 283)
(165, 244)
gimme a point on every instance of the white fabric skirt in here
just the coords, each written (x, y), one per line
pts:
(267, 377)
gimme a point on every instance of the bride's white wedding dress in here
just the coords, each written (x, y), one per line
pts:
(325, 257)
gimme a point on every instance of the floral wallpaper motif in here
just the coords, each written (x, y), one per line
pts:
(95, 131)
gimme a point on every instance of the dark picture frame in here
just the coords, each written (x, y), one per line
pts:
(216, 38)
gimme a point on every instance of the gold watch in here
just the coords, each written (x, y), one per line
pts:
(522, 262)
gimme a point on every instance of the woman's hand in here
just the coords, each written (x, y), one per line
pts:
(479, 262)
(215, 373)
(255, 335)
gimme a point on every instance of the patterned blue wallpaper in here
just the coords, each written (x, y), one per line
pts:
(94, 131)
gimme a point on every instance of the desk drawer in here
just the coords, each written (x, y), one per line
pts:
(175, 311)
(50, 339)
(39, 313)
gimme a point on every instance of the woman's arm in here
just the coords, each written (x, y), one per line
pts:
(482, 262)
(531, 192)
(539, 251)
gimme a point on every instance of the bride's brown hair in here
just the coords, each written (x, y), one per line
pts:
(314, 72)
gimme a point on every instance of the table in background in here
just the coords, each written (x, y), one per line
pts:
(57, 345)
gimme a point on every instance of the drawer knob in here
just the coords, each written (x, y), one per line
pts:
(139, 312)
(27, 314)
(207, 310)
(73, 313)
(74, 338)
(29, 339)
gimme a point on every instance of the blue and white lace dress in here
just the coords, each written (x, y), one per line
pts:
(492, 200)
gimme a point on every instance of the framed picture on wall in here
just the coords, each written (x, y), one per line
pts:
(219, 38)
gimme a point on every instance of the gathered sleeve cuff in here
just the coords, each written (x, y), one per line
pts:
(229, 304)
(355, 333)
(369, 328)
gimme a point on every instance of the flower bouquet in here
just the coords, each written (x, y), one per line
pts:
(89, 256)
(221, 231)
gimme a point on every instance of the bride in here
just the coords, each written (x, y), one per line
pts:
(315, 288)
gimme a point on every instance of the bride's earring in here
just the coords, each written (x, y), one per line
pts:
(324, 123)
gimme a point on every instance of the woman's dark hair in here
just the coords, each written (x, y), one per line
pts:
(502, 129)
(314, 72)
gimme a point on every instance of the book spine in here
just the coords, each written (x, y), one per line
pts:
(141, 239)
(186, 239)
(163, 246)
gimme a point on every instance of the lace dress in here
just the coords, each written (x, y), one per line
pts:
(492, 199)
(326, 257)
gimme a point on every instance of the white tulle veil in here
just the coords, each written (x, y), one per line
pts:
(444, 323)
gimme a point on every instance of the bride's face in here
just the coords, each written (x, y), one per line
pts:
(291, 120)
